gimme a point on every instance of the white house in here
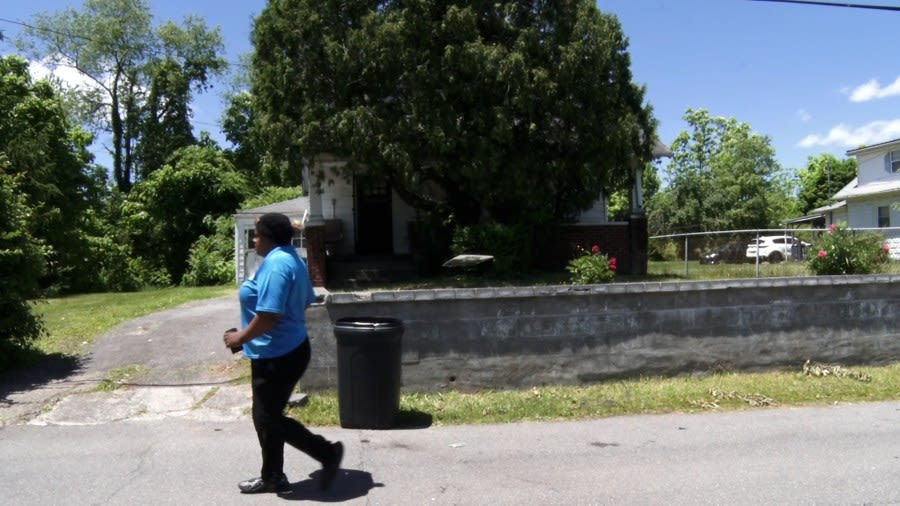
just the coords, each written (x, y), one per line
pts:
(872, 197)
(365, 217)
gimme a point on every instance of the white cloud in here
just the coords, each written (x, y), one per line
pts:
(842, 135)
(803, 116)
(872, 90)
(61, 71)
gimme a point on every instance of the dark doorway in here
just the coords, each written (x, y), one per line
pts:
(374, 230)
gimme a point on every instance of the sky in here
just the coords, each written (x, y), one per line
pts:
(813, 79)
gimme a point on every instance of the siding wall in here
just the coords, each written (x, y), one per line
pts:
(871, 168)
(337, 202)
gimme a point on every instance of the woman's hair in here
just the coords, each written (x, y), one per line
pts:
(277, 227)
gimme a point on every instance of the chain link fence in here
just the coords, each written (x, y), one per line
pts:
(771, 251)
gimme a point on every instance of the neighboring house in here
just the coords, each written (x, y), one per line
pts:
(872, 197)
(823, 217)
(833, 214)
(343, 219)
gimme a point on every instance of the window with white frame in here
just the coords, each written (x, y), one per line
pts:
(299, 239)
(884, 216)
(895, 161)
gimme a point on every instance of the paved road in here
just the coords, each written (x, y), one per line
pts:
(183, 437)
(827, 455)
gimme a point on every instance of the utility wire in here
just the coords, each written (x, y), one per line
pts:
(837, 4)
(48, 30)
(80, 37)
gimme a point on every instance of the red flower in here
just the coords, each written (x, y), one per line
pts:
(832, 227)
(823, 253)
(595, 249)
(886, 247)
(612, 264)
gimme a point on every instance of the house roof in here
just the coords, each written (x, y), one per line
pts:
(817, 213)
(286, 207)
(830, 207)
(875, 147)
(661, 150)
(804, 219)
(855, 190)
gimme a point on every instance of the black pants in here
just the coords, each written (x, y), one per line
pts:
(273, 381)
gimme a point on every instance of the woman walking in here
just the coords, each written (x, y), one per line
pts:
(273, 336)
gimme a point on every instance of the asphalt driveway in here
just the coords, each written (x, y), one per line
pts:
(172, 363)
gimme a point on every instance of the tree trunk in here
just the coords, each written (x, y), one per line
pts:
(123, 182)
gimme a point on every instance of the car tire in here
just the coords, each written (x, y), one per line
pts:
(775, 257)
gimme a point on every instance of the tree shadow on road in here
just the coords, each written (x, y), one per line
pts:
(42, 370)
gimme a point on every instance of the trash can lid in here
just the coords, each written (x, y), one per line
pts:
(369, 322)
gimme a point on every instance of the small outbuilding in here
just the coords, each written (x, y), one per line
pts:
(245, 257)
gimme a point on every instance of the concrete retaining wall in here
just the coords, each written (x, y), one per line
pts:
(526, 336)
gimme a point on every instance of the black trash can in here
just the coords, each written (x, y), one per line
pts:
(368, 361)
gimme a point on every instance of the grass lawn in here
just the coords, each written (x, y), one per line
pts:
(715, 392)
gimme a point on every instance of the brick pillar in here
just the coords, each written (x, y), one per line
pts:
(315, 252)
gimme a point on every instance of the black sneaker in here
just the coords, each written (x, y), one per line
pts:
(332, 464)
(260, 486)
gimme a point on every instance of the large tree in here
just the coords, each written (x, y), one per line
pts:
(248, 151)
(823, 176)
(165, 125)
(48, 158)
(723, 176)
(45, 190)
(114, 44)
(21, 266)
(518, 111)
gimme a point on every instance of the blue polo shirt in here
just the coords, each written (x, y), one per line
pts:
(280, 285)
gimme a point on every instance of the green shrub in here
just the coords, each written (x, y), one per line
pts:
(840, 251)
(592, 267)
(664, 249)
(511, 246)
(206, 265)
(121, 271)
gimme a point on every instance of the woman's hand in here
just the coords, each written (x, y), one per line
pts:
(260, 324)
(232, 339)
